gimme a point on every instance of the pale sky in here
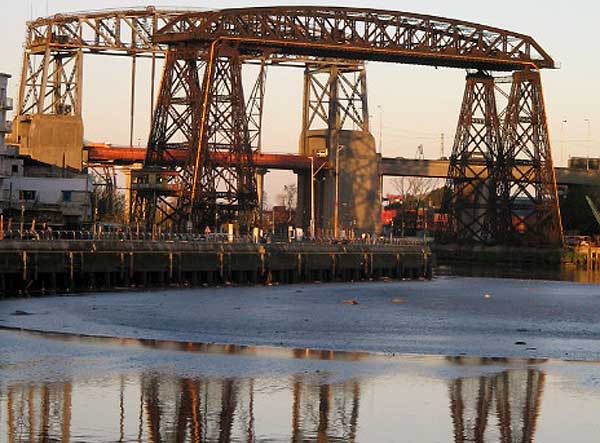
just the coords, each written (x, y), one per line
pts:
(418, 103)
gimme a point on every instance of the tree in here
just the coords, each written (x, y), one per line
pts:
(416, 195)
(288, 199)
(265, 201)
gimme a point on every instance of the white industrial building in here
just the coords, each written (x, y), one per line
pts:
(32, 190)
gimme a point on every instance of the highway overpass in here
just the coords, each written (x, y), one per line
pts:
(391, 167)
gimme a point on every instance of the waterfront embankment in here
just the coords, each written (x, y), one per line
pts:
(67, 266)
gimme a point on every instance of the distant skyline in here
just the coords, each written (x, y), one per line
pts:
(418, 103)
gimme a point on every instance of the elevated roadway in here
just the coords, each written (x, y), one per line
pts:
(403, 167)
(391, 167)
(123, 156)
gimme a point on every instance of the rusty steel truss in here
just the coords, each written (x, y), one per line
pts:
(52, 71)
(335, 98)
(199, 168)
(531, 198)
(174, 129)
(473, 186)
(501, 185)
(361, 34)
(204, 120)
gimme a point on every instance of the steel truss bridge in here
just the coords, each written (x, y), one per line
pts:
(204, 149)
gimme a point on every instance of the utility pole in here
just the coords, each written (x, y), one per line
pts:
(336, 208)
(562, 141)
(589, 140)
(313, 174)
(442, 146)
(380, 129)
(312, 197)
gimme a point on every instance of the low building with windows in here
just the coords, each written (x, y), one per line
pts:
(31, 190)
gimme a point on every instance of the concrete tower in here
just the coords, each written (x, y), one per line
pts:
(336, 127)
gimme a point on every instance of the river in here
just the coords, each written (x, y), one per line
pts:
(455, 359)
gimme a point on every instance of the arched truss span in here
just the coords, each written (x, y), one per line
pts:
(362, 34)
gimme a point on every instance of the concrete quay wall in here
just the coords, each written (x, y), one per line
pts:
(55, 267)
(513, 256)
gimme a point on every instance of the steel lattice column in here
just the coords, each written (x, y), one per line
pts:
(51, 83)
(158, 186)
(222, 193)
(200, 121)
(335, 97)
(531, 198)
(471, 198)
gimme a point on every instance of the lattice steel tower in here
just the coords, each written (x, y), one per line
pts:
(531, 200)
(217, 183)
(474, 185)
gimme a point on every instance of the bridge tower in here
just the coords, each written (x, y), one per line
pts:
(217, 183)
(336, 126)
(472, 191)
(531, 197)
(48, 126)
(157, 186)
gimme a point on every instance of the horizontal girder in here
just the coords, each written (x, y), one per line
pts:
(390, 167)
(127, 31)
(104, 154)
(360, 34)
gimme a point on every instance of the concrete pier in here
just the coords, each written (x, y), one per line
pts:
(56, 267)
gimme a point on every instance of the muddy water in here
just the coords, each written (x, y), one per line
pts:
(566, 273)
(72, 389)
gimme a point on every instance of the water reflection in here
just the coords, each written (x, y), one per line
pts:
(154, 407)
(502, 407)
(567, 273)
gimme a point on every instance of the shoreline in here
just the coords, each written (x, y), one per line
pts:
(58, 267)
(445, 316)
(270, 351)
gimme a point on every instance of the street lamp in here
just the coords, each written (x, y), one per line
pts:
(589, 140)
(312, 197)
(562, 141)
(380, 129)
(336, 209)
(313, 173)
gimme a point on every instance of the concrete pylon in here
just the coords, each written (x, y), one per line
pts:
(336, 127)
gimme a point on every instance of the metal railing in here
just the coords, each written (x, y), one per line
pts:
(141, 236)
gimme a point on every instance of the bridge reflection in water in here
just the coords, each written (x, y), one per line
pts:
(503, 407)
(153, 407)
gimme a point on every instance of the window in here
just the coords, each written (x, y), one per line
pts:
(15, 169)
(67, 196)
(27, 195)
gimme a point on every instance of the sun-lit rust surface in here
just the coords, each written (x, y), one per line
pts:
(361, 34)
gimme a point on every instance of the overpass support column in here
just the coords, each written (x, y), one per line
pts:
(531, 198)
(471, 198)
